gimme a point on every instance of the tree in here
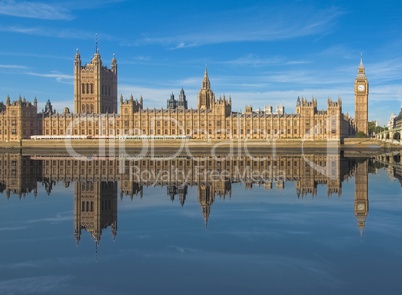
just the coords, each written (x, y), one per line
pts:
(361, 134)
(379, 129)
(371, 127)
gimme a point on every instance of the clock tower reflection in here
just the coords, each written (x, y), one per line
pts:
(361, 193)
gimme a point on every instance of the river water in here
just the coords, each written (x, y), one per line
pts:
(261, 224)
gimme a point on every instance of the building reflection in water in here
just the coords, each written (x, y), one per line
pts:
(361, 193)
(95, 208)
(96, 181)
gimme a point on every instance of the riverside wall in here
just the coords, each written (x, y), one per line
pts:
(95, 144)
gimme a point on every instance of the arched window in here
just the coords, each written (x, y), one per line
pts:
(83, 108)
(92, 88)
(88, 109)
(87, 90)
(83, 88)
(92, 108)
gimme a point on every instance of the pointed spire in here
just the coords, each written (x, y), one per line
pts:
(361, 70)
(77, 54)
(96, 43)
(361, 61)
(205, 81)
(96, 250)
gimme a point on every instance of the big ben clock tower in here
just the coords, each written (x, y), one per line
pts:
(361, 100)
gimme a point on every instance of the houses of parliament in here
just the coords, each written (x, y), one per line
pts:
(97, 114)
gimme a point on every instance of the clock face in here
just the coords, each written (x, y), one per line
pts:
(361, 206)
(360, 87)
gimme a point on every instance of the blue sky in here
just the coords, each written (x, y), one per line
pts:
(257, 52)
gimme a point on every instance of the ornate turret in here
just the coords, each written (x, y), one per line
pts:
(206, 84)
(206, 98)
(77, 59)
(171, 103)
(182, 102)
(361, 71)
(113, 66)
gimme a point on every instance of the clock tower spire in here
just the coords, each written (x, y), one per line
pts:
(361, 90)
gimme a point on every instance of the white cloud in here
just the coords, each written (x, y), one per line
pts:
(54, 75)
(341, 51)
(55, 33)
(30, 9)
(60, 217)
(255, 24)
(12, 67)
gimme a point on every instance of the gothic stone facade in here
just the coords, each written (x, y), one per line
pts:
(95, 106)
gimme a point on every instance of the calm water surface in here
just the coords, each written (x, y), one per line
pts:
(283, 224)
